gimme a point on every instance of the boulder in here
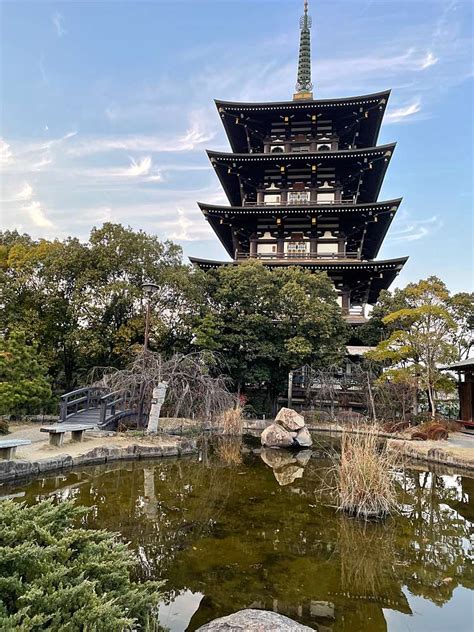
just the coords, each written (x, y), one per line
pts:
(254, 621)
(289, 419)
(303, 438)
(277, 437)
(303, 457)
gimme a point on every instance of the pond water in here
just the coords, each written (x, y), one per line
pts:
(227, 532)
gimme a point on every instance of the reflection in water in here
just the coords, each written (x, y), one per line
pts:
(287, 465)
(225, 535)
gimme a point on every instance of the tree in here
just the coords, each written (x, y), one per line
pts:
(57, 575)
(265, 323)
(421, 337)
(24, 385)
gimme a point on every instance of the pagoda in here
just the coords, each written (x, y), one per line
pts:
(303, 181)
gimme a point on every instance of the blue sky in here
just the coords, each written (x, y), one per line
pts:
(107, 109)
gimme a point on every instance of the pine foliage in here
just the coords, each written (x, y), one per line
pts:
(57, 575)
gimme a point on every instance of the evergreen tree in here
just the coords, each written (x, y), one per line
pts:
(24, 385)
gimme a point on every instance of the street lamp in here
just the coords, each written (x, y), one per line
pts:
(149, 289)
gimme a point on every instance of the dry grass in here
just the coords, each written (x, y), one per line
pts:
(229, 450)
(364, 485)
(231, 421)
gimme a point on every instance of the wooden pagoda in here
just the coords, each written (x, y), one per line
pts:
(303, 180)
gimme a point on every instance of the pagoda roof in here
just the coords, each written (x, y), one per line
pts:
(257, 164)
(264, 113)
(365, 278)
(375, 233)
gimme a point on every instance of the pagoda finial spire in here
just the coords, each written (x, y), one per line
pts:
(303, 84)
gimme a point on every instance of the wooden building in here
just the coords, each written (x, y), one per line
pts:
(465, 371)
(303, 180)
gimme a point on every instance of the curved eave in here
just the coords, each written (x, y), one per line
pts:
(223, 161)
(366, 99)
(370, 128)
(237, 216)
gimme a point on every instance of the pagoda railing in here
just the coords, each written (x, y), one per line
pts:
(299, 256)
(300, 203)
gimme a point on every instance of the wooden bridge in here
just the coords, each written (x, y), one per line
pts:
(95, 407)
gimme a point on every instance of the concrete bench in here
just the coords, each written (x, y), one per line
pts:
(56, 433)
(9, 446)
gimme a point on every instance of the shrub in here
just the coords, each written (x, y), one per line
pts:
(3, 427)
(364, 484)
(57, 576)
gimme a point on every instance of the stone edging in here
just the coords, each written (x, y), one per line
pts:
(432, 455)
(12, 470)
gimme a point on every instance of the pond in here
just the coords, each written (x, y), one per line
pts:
(227, 532)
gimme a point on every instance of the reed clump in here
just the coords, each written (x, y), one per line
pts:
(364, 484)
(229, 450)
(231, 421)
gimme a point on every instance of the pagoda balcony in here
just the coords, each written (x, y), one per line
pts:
(301, 203)
(299, 256)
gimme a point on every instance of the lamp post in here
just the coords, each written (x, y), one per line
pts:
(149, 289)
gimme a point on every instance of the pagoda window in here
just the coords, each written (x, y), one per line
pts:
(296, 248)
(276, 149)
(298, 197)
(323, 147)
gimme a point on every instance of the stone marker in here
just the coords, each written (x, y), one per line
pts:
(254, 621)
(159, 394)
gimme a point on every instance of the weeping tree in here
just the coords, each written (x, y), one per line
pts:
(196, 385)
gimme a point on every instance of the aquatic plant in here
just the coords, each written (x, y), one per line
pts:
(229, 450)
(57, 575)
(364, 486)
(231, 421)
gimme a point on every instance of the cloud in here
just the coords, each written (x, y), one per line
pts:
(140, 168)
(428, 61)
(37, 215)
(57, 20)
(399, 115)
(25, 193)
(6, 155)
(414, 230)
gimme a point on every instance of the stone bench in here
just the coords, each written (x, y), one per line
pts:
(56, 433)
(8, 448)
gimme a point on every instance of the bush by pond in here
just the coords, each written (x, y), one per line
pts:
(60, 576)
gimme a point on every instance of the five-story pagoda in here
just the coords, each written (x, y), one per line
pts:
(303, 181)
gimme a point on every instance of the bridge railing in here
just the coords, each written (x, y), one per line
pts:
(113, 406)
(79, 400)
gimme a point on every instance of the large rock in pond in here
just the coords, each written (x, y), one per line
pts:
(277, 459)
(277, 437)
(254, 621)
(289, 419)
(303, 438)
(288, 474)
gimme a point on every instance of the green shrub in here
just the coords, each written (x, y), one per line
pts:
(3, 427)
(57, 575)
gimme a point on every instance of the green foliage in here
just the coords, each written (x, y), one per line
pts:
(266, 322)
(422, 336)
(58, 576)
(83, 301)
(24, 385)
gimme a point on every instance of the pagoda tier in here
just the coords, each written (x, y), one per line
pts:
(357, 282)
(357, 231)
(350, 122)
(351, 175)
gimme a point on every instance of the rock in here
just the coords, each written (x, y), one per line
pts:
(303, 438)
(289, 419)
(276, 459)
(277, 437)
(288, 474)
(254, 621)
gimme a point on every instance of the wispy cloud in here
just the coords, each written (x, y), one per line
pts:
(6, 154)
(58, 23)
(414, 230)
(399, 115)
(37, 214)
(428, 61)
(25, 193)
